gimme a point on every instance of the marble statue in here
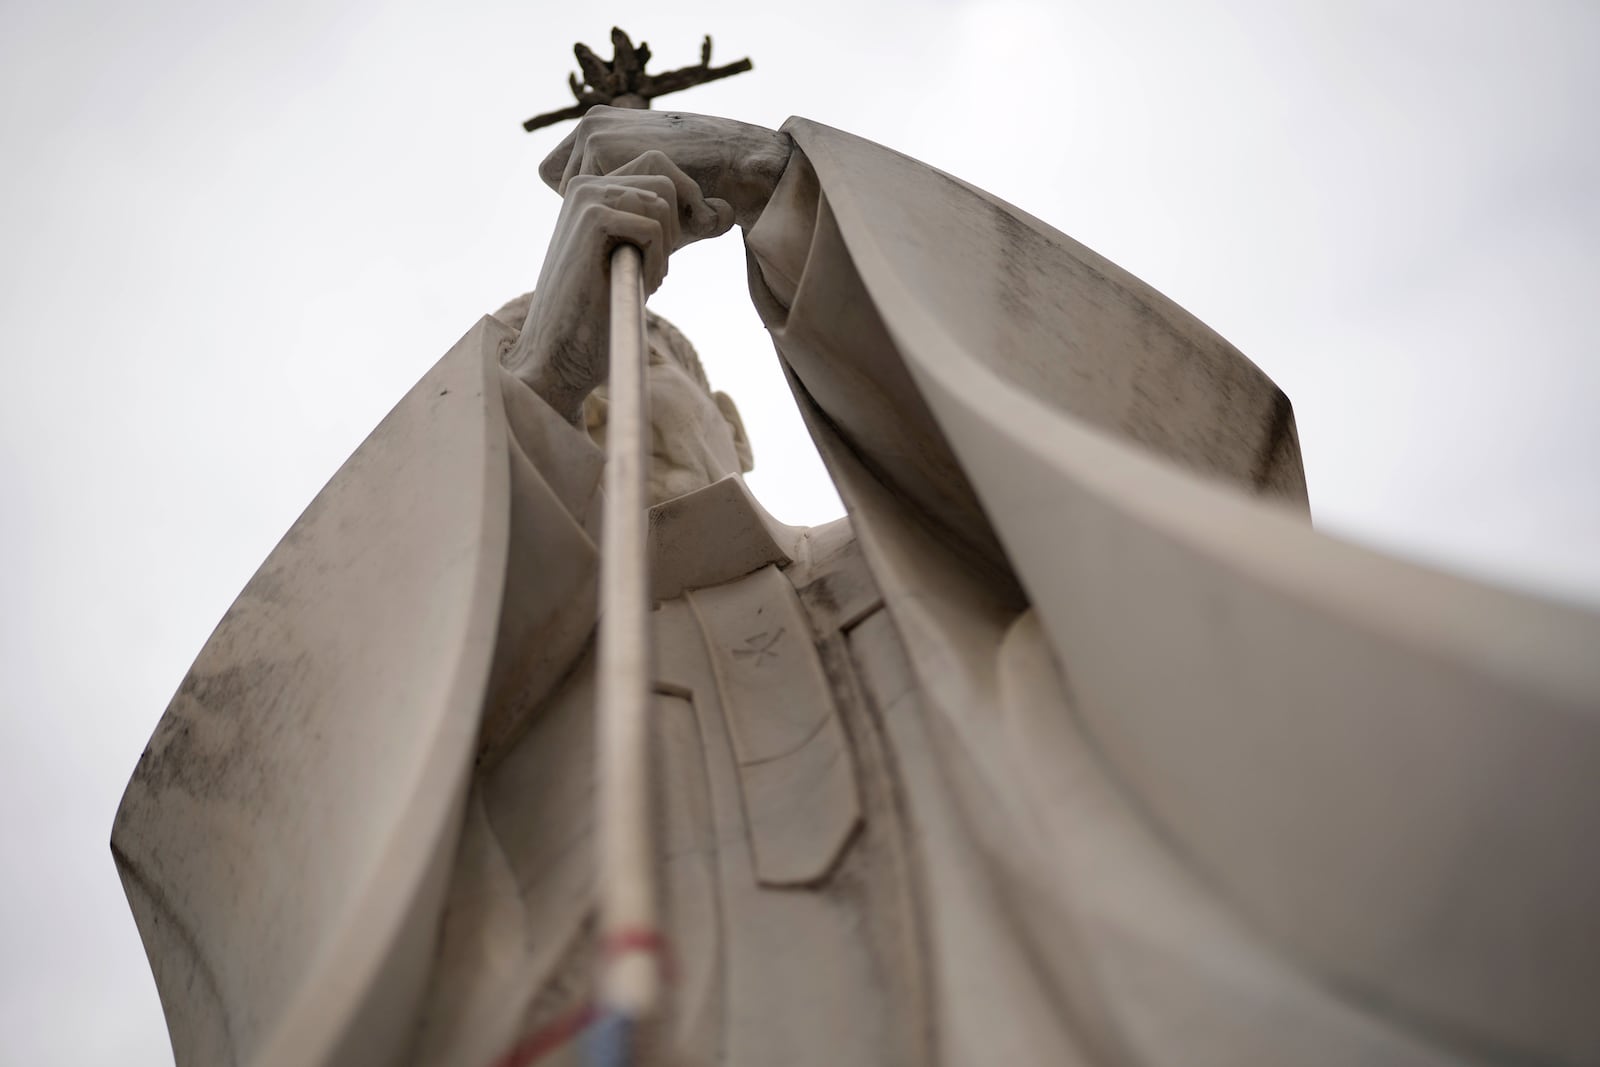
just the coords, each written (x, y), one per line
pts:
(1073, 743)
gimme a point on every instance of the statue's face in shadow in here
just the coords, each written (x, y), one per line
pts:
(696, 436)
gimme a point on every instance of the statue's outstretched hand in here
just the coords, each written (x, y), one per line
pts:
(647, 202)
(732, 162)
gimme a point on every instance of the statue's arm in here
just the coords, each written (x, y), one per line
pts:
(848, 366)
(619, 186)
(833, 342)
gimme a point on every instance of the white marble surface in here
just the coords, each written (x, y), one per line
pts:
(1402, 197)
(1085, 517)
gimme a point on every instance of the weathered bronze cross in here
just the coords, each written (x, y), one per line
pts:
(624, 83)
(630, 975)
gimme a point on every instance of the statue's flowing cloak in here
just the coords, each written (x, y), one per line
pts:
(1189, 782)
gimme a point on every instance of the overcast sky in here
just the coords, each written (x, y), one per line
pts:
(234, 235)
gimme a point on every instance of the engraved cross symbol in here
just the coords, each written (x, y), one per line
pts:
(760, 646)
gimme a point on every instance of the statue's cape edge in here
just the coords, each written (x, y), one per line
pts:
(285, 837)
(1326, 734)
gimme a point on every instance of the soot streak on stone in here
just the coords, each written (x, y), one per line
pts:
(216, 740)
(1277, 438)
(163, 913)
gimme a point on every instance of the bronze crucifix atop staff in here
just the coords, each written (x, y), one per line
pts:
(623, 82)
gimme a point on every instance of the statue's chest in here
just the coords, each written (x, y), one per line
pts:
(787, 902)
(747, 658)
(784, 869)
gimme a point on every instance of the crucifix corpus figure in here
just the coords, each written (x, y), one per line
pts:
(1074, 743)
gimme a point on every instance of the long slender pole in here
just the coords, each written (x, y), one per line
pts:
(630, 975)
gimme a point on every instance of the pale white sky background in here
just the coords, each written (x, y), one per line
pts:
(234, 235)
